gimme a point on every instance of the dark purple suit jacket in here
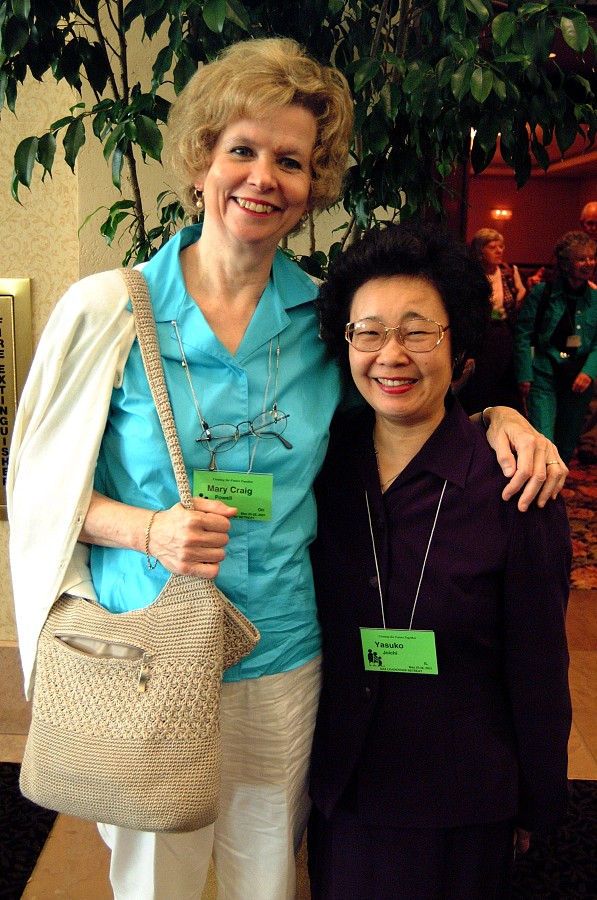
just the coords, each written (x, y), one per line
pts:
(485, 739)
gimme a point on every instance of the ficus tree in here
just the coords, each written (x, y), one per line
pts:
(425, 76)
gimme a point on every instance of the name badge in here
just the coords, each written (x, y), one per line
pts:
(573, 340)
(249, 492)
(410, 652)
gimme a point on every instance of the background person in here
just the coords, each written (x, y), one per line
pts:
(259, 138)
(556, 344)
(421, 781)
(491, 379)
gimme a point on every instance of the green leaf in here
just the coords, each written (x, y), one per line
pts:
(481, 84)
(183, 72)
(461, 80)
(415, 77)
(238, 15)
(11, 94)
(3, 84)
(538, 37)
(149, 137)
(214, 15)
(530, 9)
(60, 123)
(478, 8)
(14, 187)
(444, 71)
(24, 160)
(442, 10)
(540, 154)
(512, 58)
(46, 151)
(113, 139)
(21, 8)
(499, 88)
(117, 164)
(16, 35)
(575, 31)
(464, 50)
(73, 141)
(502, 28)
(151, 6)
(161, 65)
(117, 213)
(365, 71)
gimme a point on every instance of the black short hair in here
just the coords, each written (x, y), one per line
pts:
(419, 250)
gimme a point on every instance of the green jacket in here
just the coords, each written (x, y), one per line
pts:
(585, 326)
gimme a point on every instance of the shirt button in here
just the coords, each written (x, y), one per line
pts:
(373, 581)
(366, 693)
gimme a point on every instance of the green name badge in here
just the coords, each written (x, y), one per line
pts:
(386, 650)
(250, 493)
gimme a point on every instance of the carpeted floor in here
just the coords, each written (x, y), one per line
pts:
(561, 866)
(24, 828)
(580, 494)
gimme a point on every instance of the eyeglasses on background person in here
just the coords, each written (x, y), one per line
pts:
(417, 335)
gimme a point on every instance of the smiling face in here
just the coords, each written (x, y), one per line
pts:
(579, 265)
(403, 387)
(258, 184)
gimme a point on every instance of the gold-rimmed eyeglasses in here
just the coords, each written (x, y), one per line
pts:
(418, 335)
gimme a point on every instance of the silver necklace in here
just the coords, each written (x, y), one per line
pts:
(202, 421)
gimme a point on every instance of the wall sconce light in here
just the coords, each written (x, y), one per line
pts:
(501, 215)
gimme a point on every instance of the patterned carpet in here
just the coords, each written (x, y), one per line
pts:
(563, 865)
(24, 828)
(560, 866)
(580, 494)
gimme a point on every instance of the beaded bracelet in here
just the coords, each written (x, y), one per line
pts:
(150, 564)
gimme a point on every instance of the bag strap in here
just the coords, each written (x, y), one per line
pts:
(150, 353)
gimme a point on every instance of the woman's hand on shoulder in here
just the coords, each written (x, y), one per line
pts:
(191, 541)
(530, 460)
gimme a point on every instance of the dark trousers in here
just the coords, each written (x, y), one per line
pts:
(349, 860)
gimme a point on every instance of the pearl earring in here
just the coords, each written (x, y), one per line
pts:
(199, 202)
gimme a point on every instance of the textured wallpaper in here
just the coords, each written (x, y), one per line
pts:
(38, 241)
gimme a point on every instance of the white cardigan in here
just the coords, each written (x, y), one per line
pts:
(58, 429)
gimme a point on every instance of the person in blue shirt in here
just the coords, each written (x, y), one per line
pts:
(259, 139)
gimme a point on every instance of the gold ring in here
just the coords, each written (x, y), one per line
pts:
(554, 462)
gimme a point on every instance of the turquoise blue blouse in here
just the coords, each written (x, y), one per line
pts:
(267, 570)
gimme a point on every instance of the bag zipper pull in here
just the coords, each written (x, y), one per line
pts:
(144, 674)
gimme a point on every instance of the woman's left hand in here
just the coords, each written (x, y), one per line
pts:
(530, 459)
(522, 841)
(581, 383)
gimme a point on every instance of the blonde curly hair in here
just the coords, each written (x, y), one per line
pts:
(250, 79)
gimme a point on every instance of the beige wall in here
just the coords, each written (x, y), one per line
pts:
(38, 241)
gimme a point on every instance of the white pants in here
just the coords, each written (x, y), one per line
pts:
(267, 726)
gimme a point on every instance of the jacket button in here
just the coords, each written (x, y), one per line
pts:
(373, 581)
(366, 693)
